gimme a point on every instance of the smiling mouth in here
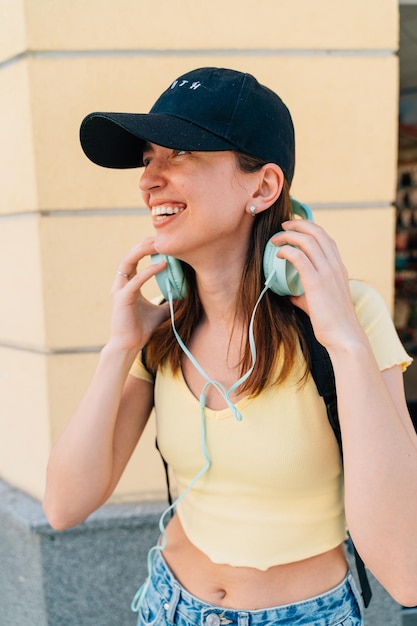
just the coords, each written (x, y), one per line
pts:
(162, 212)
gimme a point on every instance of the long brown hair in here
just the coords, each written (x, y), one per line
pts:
(274, 313)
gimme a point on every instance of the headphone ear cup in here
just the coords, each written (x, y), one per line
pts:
(281, 275)
(302, 210)
(171, 281)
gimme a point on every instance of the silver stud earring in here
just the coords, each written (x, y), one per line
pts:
(252, 210)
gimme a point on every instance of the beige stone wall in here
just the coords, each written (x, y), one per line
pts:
(64, 223)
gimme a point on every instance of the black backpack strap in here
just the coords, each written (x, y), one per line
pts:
(167, 481)
(366, 590)
(322, 372)
(165, 464)
(143, 358)
(323, 376)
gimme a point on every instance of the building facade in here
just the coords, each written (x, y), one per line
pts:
(65, 223)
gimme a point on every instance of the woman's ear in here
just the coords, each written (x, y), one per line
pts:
(270, 181)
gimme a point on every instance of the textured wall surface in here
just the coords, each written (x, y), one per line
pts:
(64, 222)
(81, 577)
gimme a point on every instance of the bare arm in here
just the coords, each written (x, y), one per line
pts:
(380, 460)
(92, 452)
(379, 443)
(89, 458)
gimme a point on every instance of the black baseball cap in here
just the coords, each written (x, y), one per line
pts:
(207, 109)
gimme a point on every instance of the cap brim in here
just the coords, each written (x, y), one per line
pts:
(117, 140)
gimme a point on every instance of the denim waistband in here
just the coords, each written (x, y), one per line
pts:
(167, 602)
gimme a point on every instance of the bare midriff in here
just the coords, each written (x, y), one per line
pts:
(248, 588)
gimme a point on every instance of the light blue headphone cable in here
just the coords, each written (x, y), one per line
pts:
(140, 594)
(221, 388)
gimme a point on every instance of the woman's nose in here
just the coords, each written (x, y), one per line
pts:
(152, 176)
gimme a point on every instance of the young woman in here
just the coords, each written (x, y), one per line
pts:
(258, 531)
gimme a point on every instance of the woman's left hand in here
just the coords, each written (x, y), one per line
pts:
(324, 278)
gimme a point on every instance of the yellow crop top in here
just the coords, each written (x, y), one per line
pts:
(274, 491)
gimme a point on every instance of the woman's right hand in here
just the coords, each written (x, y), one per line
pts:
(134, 318)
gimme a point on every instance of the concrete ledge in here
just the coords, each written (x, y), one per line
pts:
(86, 576)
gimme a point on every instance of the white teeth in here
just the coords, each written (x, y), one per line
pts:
(166, 210)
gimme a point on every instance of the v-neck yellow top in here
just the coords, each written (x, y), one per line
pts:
(274, 491)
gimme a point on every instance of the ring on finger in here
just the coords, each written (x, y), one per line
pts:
(123, 274)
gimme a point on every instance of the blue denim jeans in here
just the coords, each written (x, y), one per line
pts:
(167, 602)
